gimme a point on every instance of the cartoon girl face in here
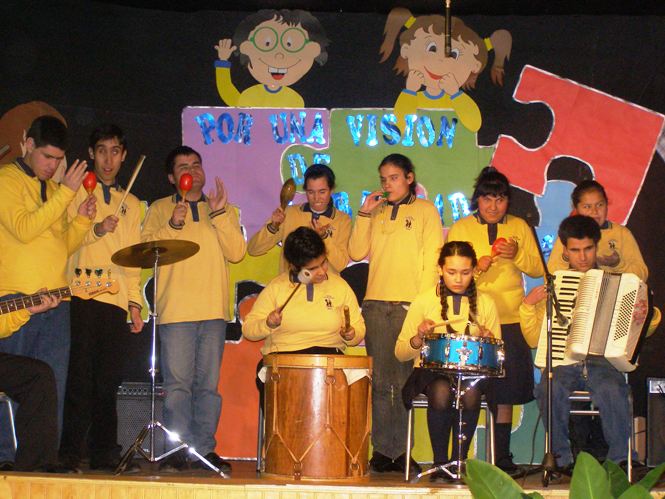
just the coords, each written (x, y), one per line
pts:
(426, 54)
(279, 54)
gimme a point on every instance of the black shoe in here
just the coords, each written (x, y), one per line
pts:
(380, 463)
(58, 468)
(175, 462)
(399, 464)
(6, 466)
(216, 461)
(506, 464)
(110, 464)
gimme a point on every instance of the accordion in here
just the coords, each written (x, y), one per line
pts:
(607, 315)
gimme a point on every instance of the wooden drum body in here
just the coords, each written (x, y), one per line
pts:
(317, 426)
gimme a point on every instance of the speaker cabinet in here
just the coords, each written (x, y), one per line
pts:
(133, 406)
(655, 421)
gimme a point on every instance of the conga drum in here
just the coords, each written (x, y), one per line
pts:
(317, 416)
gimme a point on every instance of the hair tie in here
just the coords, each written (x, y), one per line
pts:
(409, 22)
(488, 44)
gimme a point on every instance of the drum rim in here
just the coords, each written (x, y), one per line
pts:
(463, 337)
(452, 368)
(305, 361)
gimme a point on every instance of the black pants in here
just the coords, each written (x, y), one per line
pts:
(95, 367)
(31, 384)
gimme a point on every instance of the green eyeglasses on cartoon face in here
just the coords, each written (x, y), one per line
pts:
(292, 40)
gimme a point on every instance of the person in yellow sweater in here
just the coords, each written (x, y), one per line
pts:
(192, 302)
(401, 236)
(580, 236)
(318, 213)
(507, 250)
(313, 320)
(99, 325)
(617, 250)
(278, 47)
(30, 382)
(36, 238)
(453, 299)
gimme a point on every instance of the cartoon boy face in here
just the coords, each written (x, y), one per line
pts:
(426, 54)
(279, 54)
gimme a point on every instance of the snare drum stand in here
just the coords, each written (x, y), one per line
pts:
(454, 468)
(149, 429)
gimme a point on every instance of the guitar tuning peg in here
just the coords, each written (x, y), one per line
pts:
(77, 272)
(88, 272)
(98, 272)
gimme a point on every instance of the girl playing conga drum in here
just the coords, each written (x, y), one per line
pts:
(455, 307)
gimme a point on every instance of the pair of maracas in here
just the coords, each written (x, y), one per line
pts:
(185, 183)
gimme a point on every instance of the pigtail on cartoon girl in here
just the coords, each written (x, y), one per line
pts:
(422, 59)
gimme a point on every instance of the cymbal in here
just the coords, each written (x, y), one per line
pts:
(143, 254)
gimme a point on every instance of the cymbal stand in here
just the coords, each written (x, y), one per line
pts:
(149, 429)
(454, 468)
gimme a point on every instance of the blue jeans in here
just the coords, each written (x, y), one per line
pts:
(609, 393)
(191, 355)
(44, 337)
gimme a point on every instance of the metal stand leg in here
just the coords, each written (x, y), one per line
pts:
(454, 468)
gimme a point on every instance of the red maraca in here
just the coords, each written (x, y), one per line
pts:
(495, 246)
(90, 182)
(185, 185)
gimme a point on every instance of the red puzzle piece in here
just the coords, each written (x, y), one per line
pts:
(615, 138)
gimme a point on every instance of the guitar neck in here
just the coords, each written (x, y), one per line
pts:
(21, 302)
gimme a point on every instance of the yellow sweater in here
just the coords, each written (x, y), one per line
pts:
(197, 288)
(402, 253)
(254, 96)
(305, 323)
(12, 322)
(96, 251)
(336, 241)
(503, 280)
(428, 306)
(36, 237)
(614, 238)
(467, 110)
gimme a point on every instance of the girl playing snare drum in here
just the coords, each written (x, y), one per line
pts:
(453, 307)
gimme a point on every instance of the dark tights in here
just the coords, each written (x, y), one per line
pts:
(442, 417)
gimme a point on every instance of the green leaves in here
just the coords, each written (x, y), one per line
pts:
(618, 480)
(590, 481)
(489, 482)
(651, 478)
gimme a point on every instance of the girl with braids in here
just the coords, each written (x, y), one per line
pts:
(422, 59)
(454, 299)
(509, 251)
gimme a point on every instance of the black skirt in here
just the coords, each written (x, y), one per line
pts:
(421, 378)
(516, 387)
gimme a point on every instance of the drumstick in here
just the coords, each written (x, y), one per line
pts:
(347, 319)
(445, 323)
(137, 168)
(3, 150)
(289, 298)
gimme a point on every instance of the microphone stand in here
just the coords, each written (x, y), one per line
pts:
(552, 307)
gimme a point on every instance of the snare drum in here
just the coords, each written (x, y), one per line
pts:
(317, 425)
(462, 353)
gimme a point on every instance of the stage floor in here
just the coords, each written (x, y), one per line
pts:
(244, 483)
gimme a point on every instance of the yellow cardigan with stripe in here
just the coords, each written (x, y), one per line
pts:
(197, 288)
